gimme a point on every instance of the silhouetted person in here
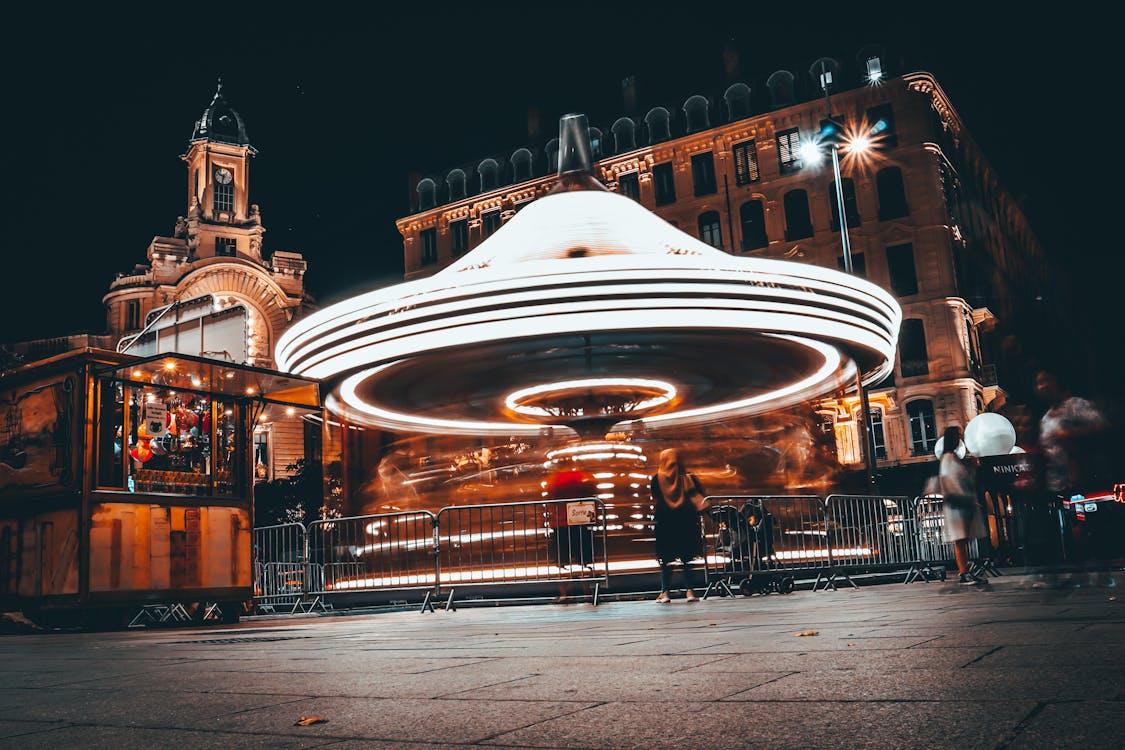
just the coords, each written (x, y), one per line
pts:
(677, 500)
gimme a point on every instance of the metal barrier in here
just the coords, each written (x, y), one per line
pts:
(280, 558)
(766, 534)
(520, 543)
(379, 552)
(929, 512)
(873, 533)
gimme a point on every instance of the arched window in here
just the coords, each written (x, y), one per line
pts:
(595, 143)
(913, 357)
(737, 97)
(521, 165)
(427, 191)
(780, 85)
(456, 182)
(878, 433)
(132, 315)
(798, 223)
(658, 121)
(552, 150)
(923, 428)
(710, 230)
(892, 194)
(851, 210)
(696, 113)
(752, 217)
(489, 172)
(624, 135)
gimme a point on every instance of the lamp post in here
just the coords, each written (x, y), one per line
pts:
(831, 132)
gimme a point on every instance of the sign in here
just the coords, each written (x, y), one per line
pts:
(580, 514)
(155, 418)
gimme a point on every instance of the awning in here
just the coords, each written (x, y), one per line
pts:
(220, 379)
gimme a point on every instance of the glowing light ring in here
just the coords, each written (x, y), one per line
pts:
(822, 380)
(516, 401)
(327, 333)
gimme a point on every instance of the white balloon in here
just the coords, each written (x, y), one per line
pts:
(939, 447)
(990, 434)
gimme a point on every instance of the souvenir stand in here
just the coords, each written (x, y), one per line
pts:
(126, 484)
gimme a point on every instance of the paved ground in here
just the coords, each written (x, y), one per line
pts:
(1030, 662)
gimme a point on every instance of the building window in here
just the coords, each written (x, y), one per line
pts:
(261, 455)
(752, 216)
(878, 435)
(745, 162)
(859, 264)
(664, 181)
(429, 246)
(900, 264)
(459, 231)
(923, 429)
(892, 194)
(703, 173)
(629, 185)
(882, 121)
(224, 191)
(226, 247)
(798, 223)
(710, 230)
(132, 315)
(789, 150)
(851, 210)
(489, 223)
(913, 357)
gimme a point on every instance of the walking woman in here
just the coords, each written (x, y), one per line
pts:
(677, 502)
(963, 518)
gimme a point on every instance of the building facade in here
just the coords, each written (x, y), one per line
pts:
(926, 214)
(212, 271)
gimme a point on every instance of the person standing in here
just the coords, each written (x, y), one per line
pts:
(963, 518)
(573, 545)
(1069, 435)
(677, 500)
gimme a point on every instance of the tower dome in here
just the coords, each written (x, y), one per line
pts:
(220, 122)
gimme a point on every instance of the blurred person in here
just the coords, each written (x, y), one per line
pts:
(1070, 434)
(963, 518)
(574, 544)
(677, 499)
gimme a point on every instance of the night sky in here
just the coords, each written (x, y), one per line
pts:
(98, 110)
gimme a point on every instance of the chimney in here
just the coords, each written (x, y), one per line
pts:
(575, 154)
(629, 93)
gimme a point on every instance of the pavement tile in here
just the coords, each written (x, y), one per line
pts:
(940, 685)
(24, 728)
(130, 707)
(811, 661)
(116, 738)
(626, 686)
(420, 720)
(778, 726)
(1084, 725)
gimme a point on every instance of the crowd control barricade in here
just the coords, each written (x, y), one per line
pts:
(873, 534)
(280, 567)
(767, 533)
(380, 552)
(934, 549)
(521, 543)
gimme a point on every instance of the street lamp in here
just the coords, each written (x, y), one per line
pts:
(832, 134)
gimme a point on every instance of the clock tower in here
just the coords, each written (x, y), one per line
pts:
(221, 222)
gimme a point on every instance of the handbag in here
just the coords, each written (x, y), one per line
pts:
(698, 497)
(932, 486)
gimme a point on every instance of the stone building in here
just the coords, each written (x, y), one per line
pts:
(926, 214)
(213, 267)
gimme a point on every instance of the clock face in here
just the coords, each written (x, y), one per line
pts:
(223, 176)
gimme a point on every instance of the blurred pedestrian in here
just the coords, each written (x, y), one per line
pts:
(1070, 434)
(677, 499)
(574, 543)
(964, 520)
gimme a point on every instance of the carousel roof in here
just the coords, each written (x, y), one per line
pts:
(584, 309)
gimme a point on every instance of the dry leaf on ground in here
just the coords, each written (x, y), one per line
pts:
(808, 632)
(305, 721)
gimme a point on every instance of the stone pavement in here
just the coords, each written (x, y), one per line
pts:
(1028, 662)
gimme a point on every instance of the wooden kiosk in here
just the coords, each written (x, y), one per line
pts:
(126, 484)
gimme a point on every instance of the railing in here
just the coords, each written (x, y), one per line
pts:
(780, 537)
